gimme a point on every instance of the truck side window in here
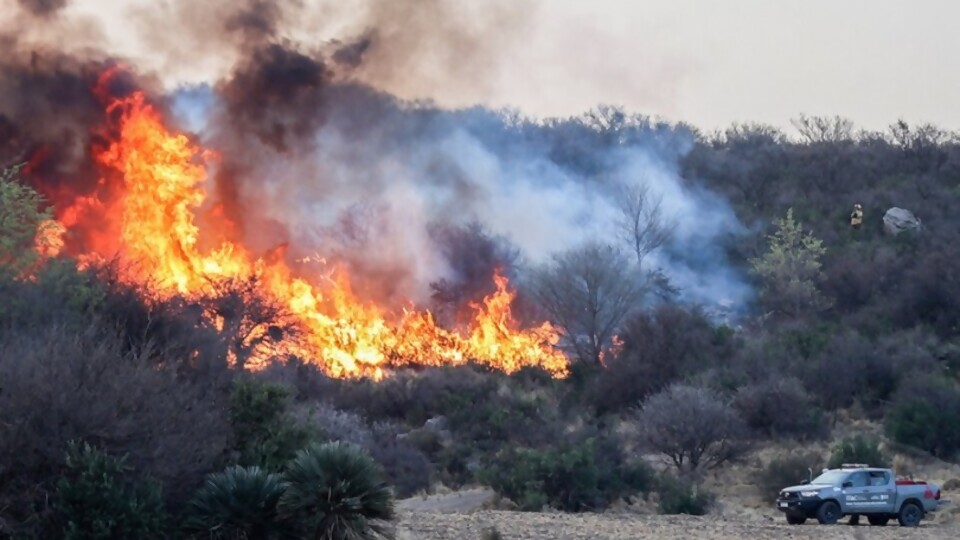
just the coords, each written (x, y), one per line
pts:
(879, 478)
(859, 479)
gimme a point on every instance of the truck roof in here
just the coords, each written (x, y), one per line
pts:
(851, 467)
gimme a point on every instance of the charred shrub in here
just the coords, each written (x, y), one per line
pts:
(94, 500)
(926, 414)
(786, 470)
(858, 448)
(780, 407)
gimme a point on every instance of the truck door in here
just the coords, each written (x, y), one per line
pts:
(881, 491)
(856, 493)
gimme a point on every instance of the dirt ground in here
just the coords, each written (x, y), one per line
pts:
(435, 525)
(740, 512)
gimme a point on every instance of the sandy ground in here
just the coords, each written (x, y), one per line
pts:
(740, 512)
(431, 525)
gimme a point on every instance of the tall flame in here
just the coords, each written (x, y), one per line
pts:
(163, 176)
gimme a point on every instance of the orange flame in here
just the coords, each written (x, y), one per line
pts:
(163, 177)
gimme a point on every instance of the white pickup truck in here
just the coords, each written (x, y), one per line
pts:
(859, 490)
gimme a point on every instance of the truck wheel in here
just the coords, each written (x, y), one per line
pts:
(878, 521)
(794, 519)
(910, 515)
(828, 513)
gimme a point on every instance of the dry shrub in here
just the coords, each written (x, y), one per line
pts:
(692, 426)
(61, 385)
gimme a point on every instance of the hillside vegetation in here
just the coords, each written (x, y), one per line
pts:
(122, 416)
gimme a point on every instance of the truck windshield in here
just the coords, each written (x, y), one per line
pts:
(831, 478)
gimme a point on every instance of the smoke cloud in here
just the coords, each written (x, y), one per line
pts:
(314, 156)
(42, 8)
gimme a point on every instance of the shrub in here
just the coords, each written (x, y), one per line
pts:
(574, 477)
(415, 397)
(22, 223)
(58, 294)
(858, 448)
(658, 349)
(337, 492)
(788, 470)
(94, 501)
(835, 375)
(266, 435)
(240, 502)
(692, 426)
(926, 415)
(780, 407)
(491, 533)
(407, 469)
(682, 496)
(61, 385)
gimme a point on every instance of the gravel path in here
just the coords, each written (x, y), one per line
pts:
(435, 525)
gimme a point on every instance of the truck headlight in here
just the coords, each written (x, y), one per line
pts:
(809, 493)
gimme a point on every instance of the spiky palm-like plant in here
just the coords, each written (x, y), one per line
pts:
(337, 492)
(238, 504)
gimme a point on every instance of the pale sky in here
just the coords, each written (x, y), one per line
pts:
(713, 62)
(707, 62)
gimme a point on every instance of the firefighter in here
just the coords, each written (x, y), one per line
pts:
(856, 217)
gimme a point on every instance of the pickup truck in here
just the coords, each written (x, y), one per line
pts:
(854, 490)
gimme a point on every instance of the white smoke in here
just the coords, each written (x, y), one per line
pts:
(370, 190)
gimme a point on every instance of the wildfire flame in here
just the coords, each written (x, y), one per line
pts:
(154, 217)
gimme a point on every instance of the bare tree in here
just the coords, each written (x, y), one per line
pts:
(823, 129)
(589, 291)
(642, 223)
(692, 426)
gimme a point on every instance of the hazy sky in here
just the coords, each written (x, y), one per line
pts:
(708, 62)
(712, 62)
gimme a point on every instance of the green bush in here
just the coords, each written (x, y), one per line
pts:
(240, 502)
(264, 432)
(681, 496)
(94, 501)
(926, 415)
(574, 477)
(858, 449)
(788, 470)
(337, 492)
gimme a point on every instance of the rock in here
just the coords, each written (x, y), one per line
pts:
(898, 220)
(952, 484)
